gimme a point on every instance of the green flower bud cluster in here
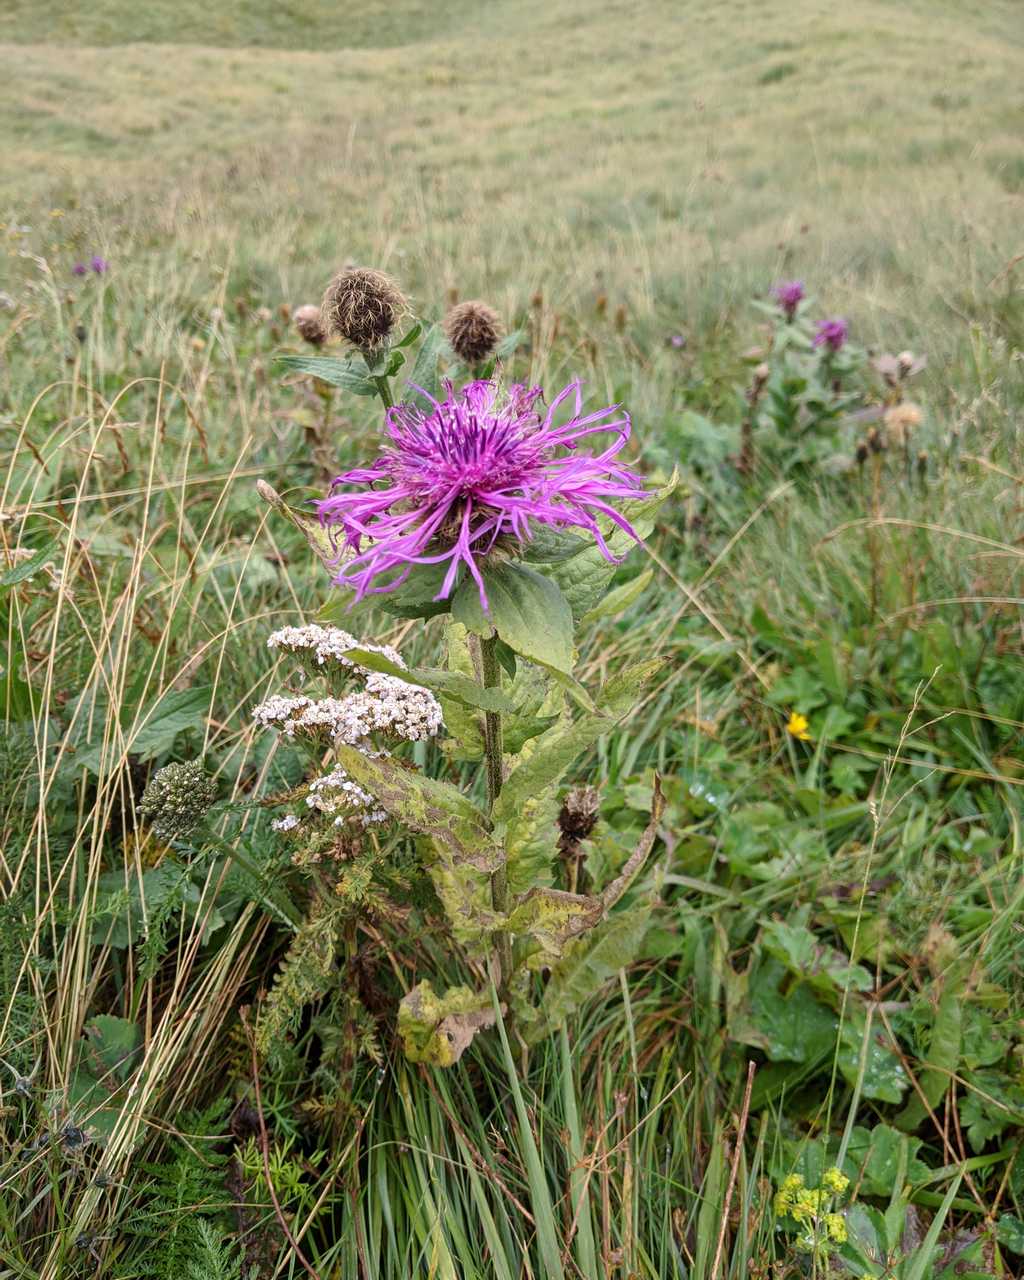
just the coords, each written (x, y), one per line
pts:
(177, 798)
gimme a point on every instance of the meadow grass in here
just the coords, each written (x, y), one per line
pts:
(565, 162)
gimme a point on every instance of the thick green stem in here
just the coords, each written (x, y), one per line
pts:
(490, 678)
(384, 390)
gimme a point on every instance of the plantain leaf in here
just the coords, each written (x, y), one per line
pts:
(588, 964)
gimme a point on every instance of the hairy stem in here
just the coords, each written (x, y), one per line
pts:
(490, 678)
(384, 391)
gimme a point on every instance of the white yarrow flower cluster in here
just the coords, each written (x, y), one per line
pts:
(324, 645)
(385, 705)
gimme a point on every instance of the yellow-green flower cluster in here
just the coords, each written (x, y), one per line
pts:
(807, 1205)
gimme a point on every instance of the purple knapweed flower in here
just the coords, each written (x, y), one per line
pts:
(98, 264)
(789, 294)
(480, 465)
(79, 269)
(678, 341)
(831, 333)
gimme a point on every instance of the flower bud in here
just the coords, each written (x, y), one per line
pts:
(177, 798)
(308, 326)
(362, 306)
(473, 330)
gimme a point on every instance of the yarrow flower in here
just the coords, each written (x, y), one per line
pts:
(480, 466)
(789, 294)
(831, 333)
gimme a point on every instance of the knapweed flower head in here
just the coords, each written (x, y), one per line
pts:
(473, 331)
(362, 306)
(177, 798)
(98, 265)
(79, 269)
(789, 294)
(831, 333)
(901, 420)
(479, 470)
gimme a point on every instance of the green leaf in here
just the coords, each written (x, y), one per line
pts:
(32, 565)
(584, 578)
(415, 597)
(620, 598)
(527, 610)
(410, 336)
(943, 1054)
(621, 692)
(424, 372)
(588, 964)
(149, 732)
(115, 1045)
(528, 803)
(336, 373)
(1010, 1233)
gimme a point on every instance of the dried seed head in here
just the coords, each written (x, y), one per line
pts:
(453, 295)
(922, 462)
(307, 323)
(601, 305)
(363, 306)
(473, 330)
(876, 441)
(537, 301)
(620, 319)
(579, 813)
(900, 421)
(862, 453)
(177, 798)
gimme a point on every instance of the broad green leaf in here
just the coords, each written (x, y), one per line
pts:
(437, 1029)
(308, 525)
(465, 725)
(584, 578)
(114, 1047)
(149, 732)
(551, 918)
(527, 610)
(588, 964)
(335, 372)
(415, 597)
(818, 964)
(621, 692)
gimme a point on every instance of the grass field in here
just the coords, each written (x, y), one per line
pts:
(624, 184)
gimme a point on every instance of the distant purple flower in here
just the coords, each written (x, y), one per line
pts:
(789, 294)
(481, 465)
(678, 341)
(79, 269)
(831, 333)
(98, 264)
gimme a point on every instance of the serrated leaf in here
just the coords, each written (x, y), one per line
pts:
(621, 692)
(527, 610)
(150, 732)
(584, 578)
(426, 806)
(588, 964)
(335, 372)
(528, 803)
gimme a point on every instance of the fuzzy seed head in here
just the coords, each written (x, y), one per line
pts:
(177, 798)
(362, 306)
(308, 326)
(901, 421)
(473, 329)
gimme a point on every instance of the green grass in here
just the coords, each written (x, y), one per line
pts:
(670, 161)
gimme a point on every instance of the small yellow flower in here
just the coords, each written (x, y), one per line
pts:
(56, 213)
(798, 726)
(835, 1225)
(808, 1204)
(835, 1180)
